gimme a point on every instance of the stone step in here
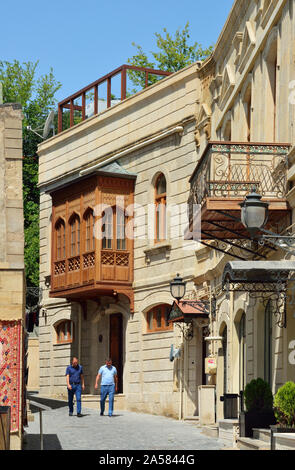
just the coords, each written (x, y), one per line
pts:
(210, 430)
(192, 419)
(93, 401)
(262, 434)
(284, 441)
(249, 443)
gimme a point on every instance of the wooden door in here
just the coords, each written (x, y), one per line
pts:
(116, 346)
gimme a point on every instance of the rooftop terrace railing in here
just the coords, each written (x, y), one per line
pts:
(71, 104)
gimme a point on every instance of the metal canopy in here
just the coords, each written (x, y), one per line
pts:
(260, 272)
(187, 310)
(264, 280)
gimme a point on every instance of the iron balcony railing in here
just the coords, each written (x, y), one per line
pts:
(77, 105)
(229, 170)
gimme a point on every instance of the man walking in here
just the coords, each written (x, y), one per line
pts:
(75, 384)
(109, 384)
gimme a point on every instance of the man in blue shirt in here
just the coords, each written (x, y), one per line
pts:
(75, 384)
(109, 384)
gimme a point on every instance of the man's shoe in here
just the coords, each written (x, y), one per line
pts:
(101, 414)
(70, 414)
(79, 415)
(110, 416)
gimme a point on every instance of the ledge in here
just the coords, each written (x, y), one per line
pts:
(157, 248)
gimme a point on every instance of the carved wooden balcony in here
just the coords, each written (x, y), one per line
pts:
(88, 259)
(225, 173)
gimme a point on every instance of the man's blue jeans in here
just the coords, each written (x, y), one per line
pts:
(107, 390)
(76, 390)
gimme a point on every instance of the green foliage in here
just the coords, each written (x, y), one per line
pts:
(174, 53)
(258, 395)
(284, 405)
(37, 97)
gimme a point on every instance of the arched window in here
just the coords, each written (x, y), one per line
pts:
(60, 240)
(89, 231)
(157, 318)
(65, 332)
(74, 235)
(160, 208)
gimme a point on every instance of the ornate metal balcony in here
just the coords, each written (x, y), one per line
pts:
(225, 173)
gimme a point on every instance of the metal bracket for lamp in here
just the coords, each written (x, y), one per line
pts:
(285, 242)
(186, 329)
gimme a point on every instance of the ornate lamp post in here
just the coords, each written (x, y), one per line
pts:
(254, 213)
(177, 288)
(254, 216)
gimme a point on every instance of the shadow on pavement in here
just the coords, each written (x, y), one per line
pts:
(54, 404)
(50, 442)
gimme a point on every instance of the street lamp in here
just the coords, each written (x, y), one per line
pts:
(177, 287)
(254, 213)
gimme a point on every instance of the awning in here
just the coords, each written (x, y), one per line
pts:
(256, 272)
(264, 280)
(187, 310)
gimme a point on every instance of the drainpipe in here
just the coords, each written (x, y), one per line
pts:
(181, 384)
(186, 380)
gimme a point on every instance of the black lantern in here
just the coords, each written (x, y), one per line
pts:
(254, 213)
(177, 287)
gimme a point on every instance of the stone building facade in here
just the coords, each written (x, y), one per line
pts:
(147, 136)
(209, 132)
(250, 112)
(12, 269)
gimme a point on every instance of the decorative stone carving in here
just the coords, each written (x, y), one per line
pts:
(248, 44)
(228, 84)
(203, 124)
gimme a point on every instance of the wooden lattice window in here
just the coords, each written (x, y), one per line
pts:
(114, 229)
(74, 235)
(65, 332)
(60, 240)
(160, 208)
(157, 318)
(89, 231)
(107, 228)
(120, 229)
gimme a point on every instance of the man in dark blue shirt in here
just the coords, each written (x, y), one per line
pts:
(75, 384)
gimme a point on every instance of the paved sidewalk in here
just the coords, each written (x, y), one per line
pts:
(124, 431)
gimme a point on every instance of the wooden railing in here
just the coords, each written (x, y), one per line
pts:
(71, 102)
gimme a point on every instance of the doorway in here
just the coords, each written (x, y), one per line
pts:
(116, 346)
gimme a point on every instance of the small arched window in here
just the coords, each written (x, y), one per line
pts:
(74, 235)
(157, 318)
(65, 332)
(160, 208)
(89, 231)
(60, 239)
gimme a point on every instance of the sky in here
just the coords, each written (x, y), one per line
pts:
(84, 40)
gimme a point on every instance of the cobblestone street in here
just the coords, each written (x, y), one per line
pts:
(124, 431)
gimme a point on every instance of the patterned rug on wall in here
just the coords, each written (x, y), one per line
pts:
(10, 369)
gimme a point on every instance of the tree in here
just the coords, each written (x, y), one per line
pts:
(174, 53)
(37, 97)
